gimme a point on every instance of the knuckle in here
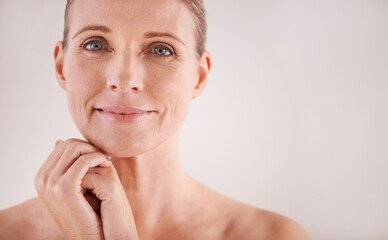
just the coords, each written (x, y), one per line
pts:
(76, 145)
(68, 141)
(71, 145)
(45, 187)
(37, 183)
(40, 182)
(37, 178)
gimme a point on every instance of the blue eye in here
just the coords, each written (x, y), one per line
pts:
(94, 45)
(161, 51)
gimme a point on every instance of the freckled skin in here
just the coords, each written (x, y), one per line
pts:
(123, 67)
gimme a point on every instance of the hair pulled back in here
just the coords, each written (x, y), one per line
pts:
(196, 8)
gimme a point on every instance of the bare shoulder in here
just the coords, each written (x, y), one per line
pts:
(28, 220)
(281, 227)
(248, 222)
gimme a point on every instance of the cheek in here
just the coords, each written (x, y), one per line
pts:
(84, 75)
(82, 83)
(173, 88)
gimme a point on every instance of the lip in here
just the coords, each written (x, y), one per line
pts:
(123, 114)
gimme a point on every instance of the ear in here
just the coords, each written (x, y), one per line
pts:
(203, 73)
(58, 56)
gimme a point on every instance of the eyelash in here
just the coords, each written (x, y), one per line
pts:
(85, 44)
(103, 43)
(172, 52)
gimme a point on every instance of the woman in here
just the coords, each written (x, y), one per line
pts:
(130, 70)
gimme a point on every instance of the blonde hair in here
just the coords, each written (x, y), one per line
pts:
(196, 7)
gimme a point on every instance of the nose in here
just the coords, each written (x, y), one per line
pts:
(125, 74)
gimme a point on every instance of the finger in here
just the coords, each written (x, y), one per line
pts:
(97, 171)
(73, 149)
(60, 146)
(77, 171)
(50, 161)
(58, 142)
(116, 212)
(102, 182)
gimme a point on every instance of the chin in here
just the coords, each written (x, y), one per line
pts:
(121, 147)
(123, 151)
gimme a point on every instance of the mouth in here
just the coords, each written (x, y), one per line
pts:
(123, 114)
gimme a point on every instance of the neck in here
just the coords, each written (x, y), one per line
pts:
(155, 184)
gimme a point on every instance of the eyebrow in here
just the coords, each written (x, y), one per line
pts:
(108, 30)
(163, 34)
(93, 28)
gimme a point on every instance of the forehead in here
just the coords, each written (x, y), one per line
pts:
(134, 16)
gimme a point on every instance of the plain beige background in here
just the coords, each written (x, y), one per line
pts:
(294, 118)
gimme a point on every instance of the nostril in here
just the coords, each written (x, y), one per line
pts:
(125, 85)
(112, 87)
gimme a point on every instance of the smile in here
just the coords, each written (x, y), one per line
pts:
(123, 114)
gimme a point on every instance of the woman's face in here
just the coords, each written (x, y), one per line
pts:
(130, 70)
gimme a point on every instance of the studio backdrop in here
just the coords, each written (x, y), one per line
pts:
(296, 108)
